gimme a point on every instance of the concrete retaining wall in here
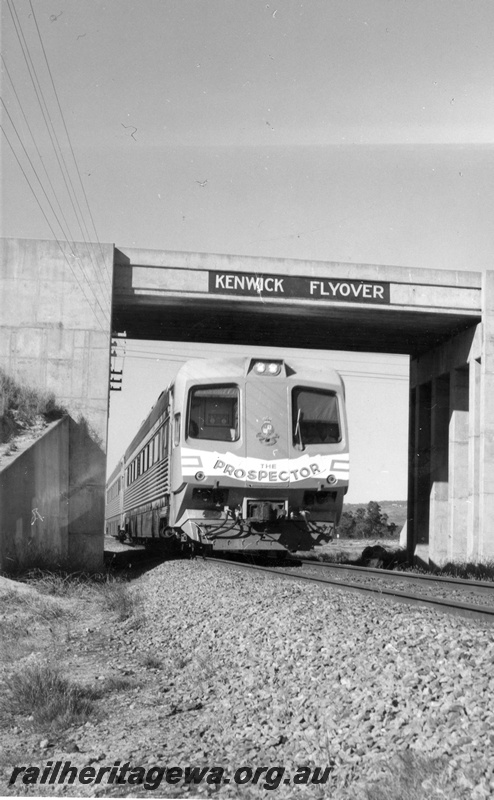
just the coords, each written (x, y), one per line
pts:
(52, 502)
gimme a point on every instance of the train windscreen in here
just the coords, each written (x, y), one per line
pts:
(315, 417)
(213, 413)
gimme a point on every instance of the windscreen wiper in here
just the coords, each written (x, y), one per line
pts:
(298, 430)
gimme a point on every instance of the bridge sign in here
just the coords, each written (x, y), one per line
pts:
(334, 289)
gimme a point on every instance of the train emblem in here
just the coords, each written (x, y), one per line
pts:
(267, 433)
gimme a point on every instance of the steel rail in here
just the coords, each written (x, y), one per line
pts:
(469, 610)
(397, 575)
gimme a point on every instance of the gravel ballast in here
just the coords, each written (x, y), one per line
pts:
(232, 669)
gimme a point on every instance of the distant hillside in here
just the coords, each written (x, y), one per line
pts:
(395, 509)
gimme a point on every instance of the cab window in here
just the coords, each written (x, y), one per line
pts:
(315, 417)
(213, 413)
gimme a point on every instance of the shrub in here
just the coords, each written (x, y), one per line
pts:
(119, 684)
(118, 598)
(23, 407)
(365, 523)
(152, 662)
(39, 690)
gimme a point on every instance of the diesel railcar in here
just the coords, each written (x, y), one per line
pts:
(114, 515)
(247, 454)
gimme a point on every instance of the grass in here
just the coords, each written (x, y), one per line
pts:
(46, 620)
(61, 583)
(40, 691)
(119, 599)
(23, 408)
(116, 683)
(43, 609)
(483, 571)
(113, 592)
(151, 662)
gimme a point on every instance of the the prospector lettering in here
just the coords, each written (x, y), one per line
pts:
(266, 476)
(336, 290)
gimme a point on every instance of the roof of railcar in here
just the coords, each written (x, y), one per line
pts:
(115, 474)
(156, 412)
(237, 368)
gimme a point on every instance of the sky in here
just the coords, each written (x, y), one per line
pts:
(358, 131)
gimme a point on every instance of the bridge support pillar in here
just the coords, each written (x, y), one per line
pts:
(451, 445)
(458, 471)
(486, 473)
(473, 516)
(439, 464)
(419, 474)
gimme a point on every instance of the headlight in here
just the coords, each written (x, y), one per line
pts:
(267, 367)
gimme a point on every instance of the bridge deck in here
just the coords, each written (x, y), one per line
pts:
(364, 307)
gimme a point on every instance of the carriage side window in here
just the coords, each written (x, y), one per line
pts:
(315, 417)
(164, 440)
(213, 413)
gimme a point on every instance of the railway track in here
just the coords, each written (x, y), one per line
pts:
(469, 598)
(474, 599)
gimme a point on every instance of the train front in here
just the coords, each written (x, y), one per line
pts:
(261, 458)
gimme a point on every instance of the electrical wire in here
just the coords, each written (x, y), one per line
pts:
(103, 311)
(274, 354)
(35, 145)
(139, 356)
(53, 137)
(70, 146)
(51, 229)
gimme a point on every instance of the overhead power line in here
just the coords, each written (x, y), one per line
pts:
(53, 232)
(70, 145)
(49, 124)
(359, 373)
(44, 201)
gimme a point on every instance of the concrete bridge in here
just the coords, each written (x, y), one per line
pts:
(61, 304)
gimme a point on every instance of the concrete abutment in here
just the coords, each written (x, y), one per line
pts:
(55, 312)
